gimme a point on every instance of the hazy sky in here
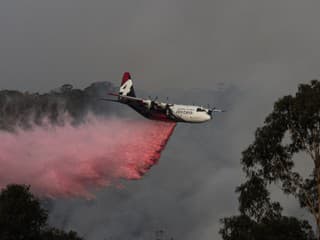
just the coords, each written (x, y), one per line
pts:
(259, 50)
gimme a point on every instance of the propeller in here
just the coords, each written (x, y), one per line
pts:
(212, 110)
(154, 99)
(218, 110)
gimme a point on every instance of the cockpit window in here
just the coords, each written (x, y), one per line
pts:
(200, 110)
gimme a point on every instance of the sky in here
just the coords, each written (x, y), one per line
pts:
(240, 55)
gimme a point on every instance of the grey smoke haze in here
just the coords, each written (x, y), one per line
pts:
(260, 50)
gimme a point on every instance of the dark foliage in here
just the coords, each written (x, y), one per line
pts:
(22, 217)
(293, 127)
(55, 234)
(280, 228)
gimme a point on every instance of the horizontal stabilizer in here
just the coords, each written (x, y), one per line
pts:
(126, 97)
(109, 100)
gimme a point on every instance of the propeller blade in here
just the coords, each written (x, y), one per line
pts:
(217, 110)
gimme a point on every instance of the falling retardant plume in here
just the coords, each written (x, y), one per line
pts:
(72, 160)
(64, 153)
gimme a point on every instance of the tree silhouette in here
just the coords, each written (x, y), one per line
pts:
(22, 217)
(293, 127)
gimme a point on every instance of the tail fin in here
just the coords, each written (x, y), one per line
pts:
(126, 88)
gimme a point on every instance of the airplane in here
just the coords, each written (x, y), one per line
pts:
(161, 111)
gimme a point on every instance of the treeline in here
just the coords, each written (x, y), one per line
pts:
(23, 217)
(24, 109)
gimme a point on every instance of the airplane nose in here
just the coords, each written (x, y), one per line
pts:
(208, 116)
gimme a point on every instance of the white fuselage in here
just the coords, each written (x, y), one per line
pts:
(180, 113)
(187, 113)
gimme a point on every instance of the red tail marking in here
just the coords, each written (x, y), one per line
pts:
(126, 76)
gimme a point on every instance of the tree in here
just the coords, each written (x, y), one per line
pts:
(293, 127)
(55, 234)
(22, 217)
(269, 227)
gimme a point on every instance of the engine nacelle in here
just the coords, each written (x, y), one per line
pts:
(148, 103)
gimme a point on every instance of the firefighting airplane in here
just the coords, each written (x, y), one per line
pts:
(155, 110)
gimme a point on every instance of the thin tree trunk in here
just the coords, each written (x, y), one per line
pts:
(317, 165)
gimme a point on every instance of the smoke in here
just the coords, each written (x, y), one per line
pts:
(24, 110)
(64, 153)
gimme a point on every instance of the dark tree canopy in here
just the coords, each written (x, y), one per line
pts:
(55, 234)
(20, 214)
(277, 228)
(22, 217)
(293, 127)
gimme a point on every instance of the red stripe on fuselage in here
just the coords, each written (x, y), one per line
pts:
(160, 117)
